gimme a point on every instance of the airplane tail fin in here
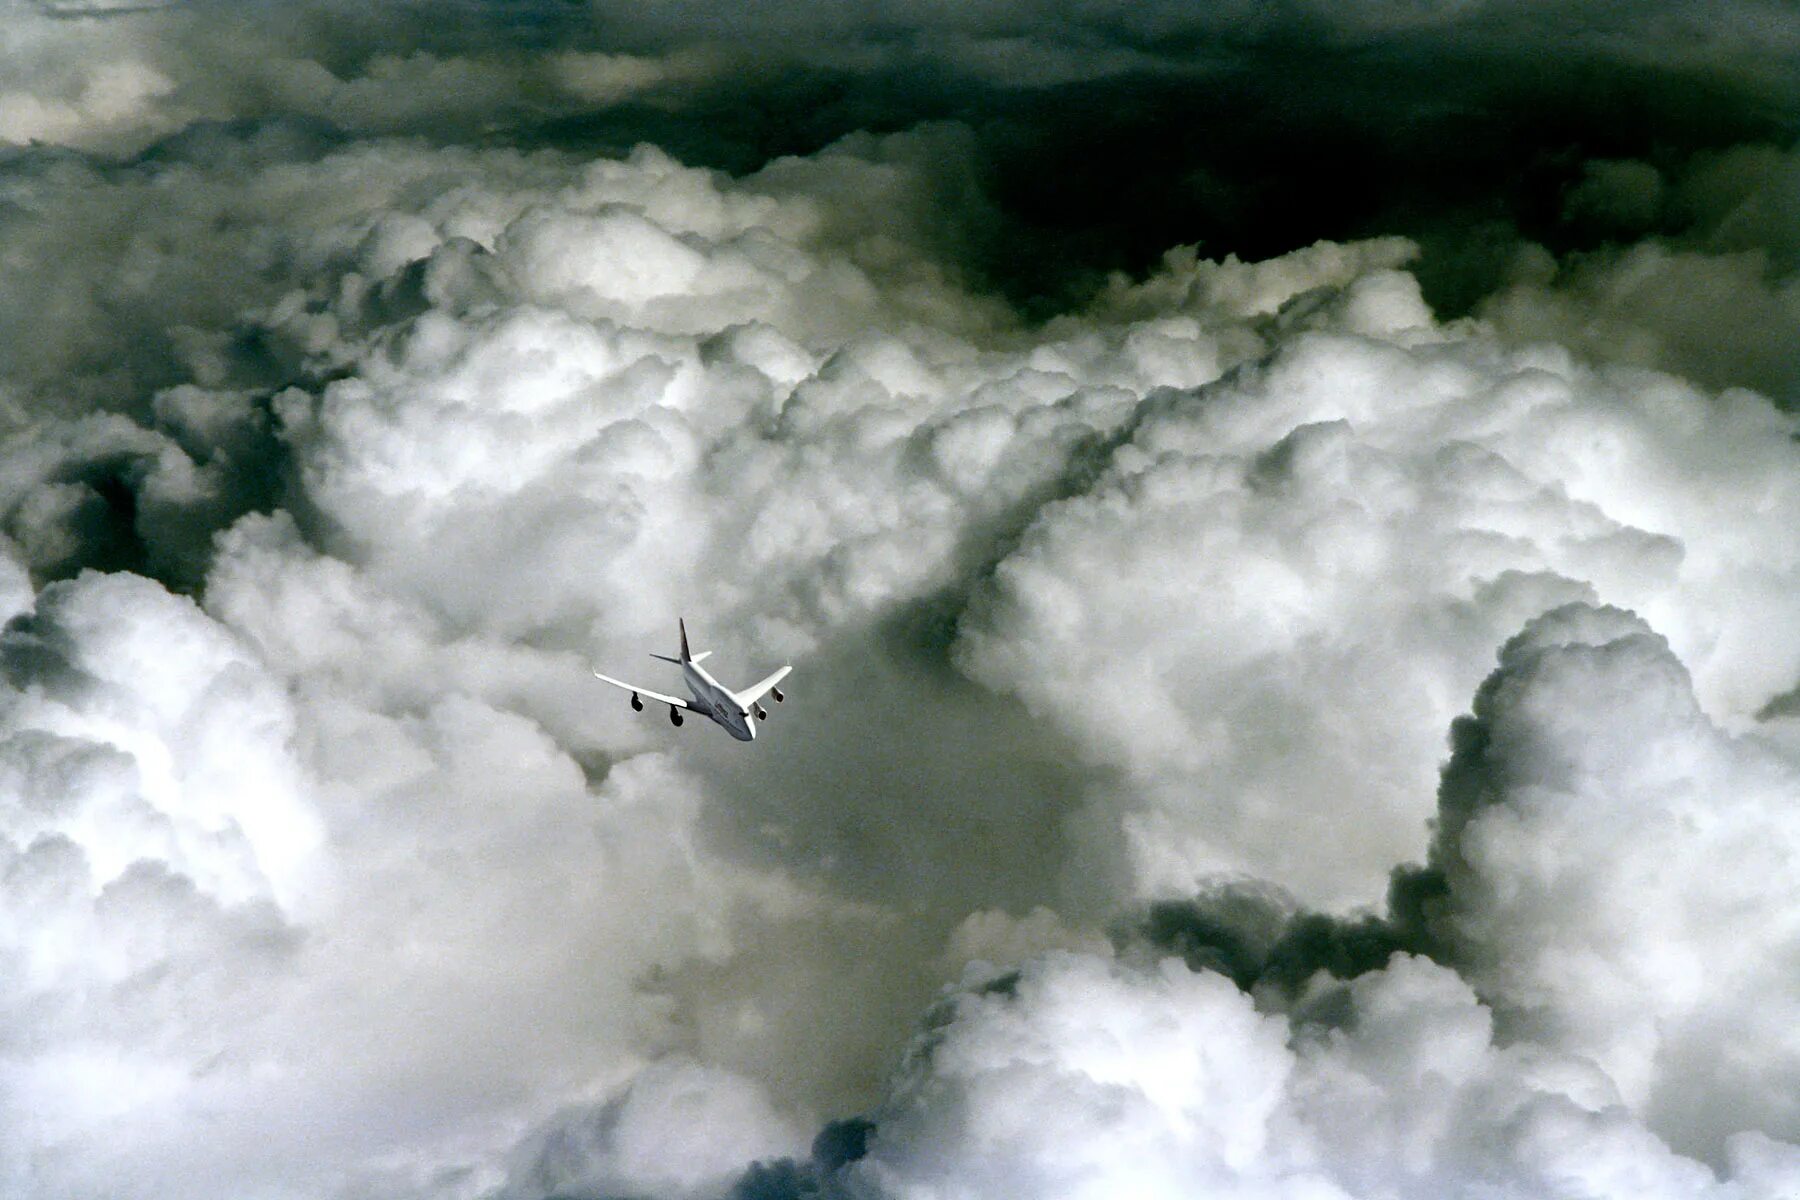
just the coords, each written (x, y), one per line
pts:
(687, 656)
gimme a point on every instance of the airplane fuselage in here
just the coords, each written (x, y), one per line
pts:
(713, 700)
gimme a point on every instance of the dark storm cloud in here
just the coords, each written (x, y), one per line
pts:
(1110, 132)
(1106, 132)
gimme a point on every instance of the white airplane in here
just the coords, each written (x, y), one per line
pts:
(738, 712)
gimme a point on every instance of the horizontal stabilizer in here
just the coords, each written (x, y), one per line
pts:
(677, 661)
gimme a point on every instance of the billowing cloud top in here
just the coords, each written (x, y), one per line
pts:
(1283, 516)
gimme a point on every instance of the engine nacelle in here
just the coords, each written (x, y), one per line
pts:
(636, 704)
(674, 715)
(776, 692)
(762, 714)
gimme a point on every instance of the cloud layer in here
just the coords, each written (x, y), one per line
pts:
(1309, 714)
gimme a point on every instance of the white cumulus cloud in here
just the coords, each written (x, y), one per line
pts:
(372, 376)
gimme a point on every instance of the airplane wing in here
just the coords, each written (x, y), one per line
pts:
(756, 691)
(646, 693)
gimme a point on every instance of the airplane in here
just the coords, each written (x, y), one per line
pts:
(738, 712)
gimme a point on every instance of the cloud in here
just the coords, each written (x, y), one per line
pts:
(676, 1130)
(1137, 525)
(1589, 849)
(192, 742)
(1597, 834)
(1708, 297)
(1108, 132)
(1220, 617)
(1079, 1077)
(159, 849)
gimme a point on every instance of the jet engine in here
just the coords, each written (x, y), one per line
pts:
(674, 716)
(762, 714)
(776, 692)
(636, 704)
